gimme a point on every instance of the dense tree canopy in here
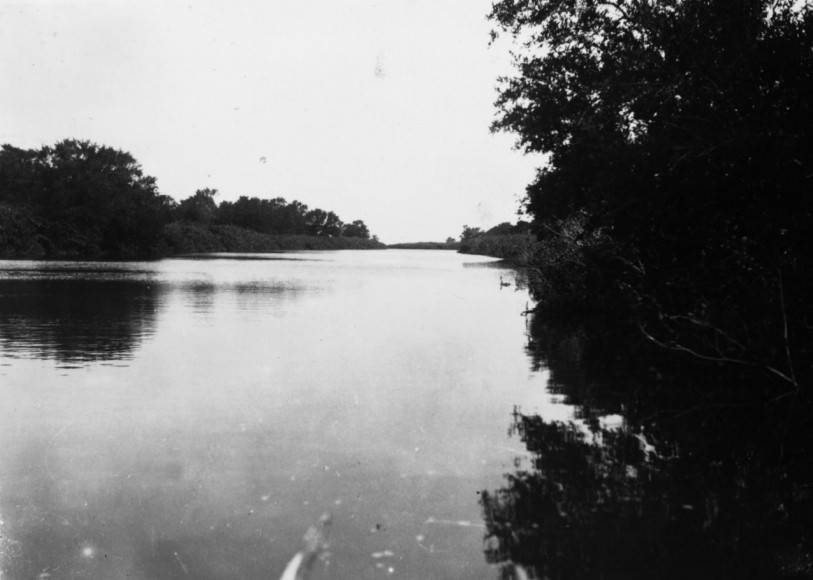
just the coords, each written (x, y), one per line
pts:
(199, 208)
(679, 140)
(356, 229)
(268, 216)
(79, 198)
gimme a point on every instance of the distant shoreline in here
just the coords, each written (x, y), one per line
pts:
(514, 249)
(186, 238)
(425, 246)
(181, 239)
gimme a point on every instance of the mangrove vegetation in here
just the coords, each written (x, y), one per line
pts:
(512, 242)
(79, 199)
(675, 200)
(673, 275)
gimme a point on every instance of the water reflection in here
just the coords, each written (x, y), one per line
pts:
(254, 396)
(691, 483)
(593, 504)
(75, 320)
(77, 313)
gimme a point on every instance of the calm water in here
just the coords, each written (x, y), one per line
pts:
(191, 418)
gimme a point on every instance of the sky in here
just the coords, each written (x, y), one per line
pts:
(376, 110)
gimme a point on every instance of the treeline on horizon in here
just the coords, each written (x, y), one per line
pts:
(675, 206)
(505, 240)
(80, 199)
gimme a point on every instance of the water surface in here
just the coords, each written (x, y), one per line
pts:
(190, 418)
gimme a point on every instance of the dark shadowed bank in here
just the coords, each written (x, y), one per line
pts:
(183, 238)
(676, 194)
(672, 273)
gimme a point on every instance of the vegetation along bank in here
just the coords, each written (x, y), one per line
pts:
(675, 202)
(77, 199)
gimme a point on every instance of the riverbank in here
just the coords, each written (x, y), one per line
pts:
(425, 246)
(516, 249)
(513, 248)
(183, 238)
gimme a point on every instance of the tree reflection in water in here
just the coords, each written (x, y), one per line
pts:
(76, 320)
(688, 486)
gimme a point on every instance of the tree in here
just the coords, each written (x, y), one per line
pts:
(199, 208)
(295, 221)
(681, 132)
(315, 221)
(356, 229)
(20, 176)
(503, 229)
(86, 199)
(323, 223)
(333, 226)
(470, 233)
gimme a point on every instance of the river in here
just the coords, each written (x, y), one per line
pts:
(191, 418)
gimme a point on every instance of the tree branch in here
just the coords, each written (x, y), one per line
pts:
(720, 359)
(785, 328)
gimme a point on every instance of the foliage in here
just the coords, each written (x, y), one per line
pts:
(681, 134)
(516, 248)
(264, 215)
(356, 229)
(507, 228)
(81, 199)
(449, 244)
(78, 198)
(268, 216)
(323, 223)
(511, 242)
(18, 232)
(469, 233)
(189, 238)
(199, 208)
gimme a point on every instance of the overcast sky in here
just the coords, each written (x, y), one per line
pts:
(377, 110)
